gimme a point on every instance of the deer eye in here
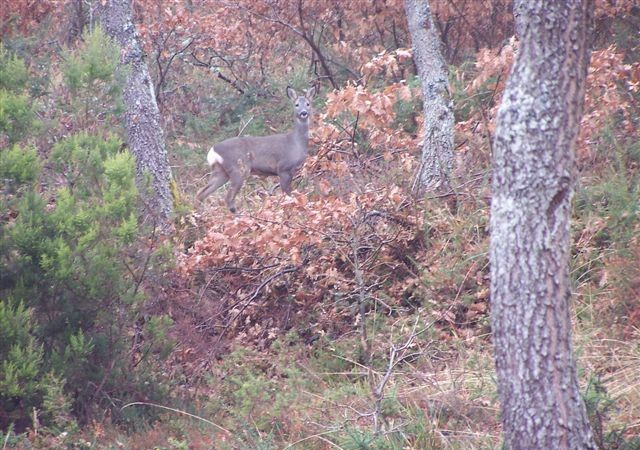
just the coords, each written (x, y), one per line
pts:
(297, 105)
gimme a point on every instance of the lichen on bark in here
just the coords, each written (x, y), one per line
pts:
(437, 151)
(537, 125)
(142, 121)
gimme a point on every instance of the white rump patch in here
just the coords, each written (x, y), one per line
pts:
(213, 157)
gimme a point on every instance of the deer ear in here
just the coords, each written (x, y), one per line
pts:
(311, 92)
(291, 93)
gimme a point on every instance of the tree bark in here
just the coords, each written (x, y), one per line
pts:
(142, 117)
(437, 151)
(533, 179)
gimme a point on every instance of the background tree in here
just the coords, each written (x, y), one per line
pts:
(142, 118)
(533, 181)
(437, 149)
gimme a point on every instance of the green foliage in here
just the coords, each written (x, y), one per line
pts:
(70, 253)
(74, 254)
(75, 263)
(16, 112)
(19, 164)
(616, 197)
(617, 201)
(20, 356)
(465, 105)
(335, 357)
(96, 61)
(358, 439)
(406, 111)
(20, 368)
(13, 72)
(248, 388)
(57, 405)
(226, 111)
(15, 325)
(91, 73)
(82, 159)
(178, 444)
(24, 383)
(599, 405)
(120, 191)
(16, 115)
(157, 329)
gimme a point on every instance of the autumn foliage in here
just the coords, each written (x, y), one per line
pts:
(299, 254)
(260, 315)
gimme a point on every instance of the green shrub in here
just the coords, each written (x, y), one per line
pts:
(16, 115)
(91, 73)
(16, 112)
(19, 165)
(615, 197)
(76, 263)
(96, 61)
(80, 159)
(406, 111)
(75, 343)
(13, 72)
(25, 386)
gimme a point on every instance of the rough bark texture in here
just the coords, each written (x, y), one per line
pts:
(437, 150)
(142, 117)
(533, 180)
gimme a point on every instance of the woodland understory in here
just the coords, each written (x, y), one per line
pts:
(353, 314)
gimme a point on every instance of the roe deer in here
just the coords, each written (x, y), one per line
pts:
(279, 154)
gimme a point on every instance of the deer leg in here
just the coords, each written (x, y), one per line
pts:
(237, 179)
(217, 178)
(285, 181)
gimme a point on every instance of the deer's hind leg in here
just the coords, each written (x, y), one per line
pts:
(237, 175)
(217, 178)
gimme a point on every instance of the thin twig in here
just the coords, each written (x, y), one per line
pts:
(6, 439)
(180, 412)
(316, 436)
(245, 126)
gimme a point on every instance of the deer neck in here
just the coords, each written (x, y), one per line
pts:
(300, 135)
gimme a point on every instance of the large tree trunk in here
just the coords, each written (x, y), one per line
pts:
(437, 150)
(533, 178)
(142, 117)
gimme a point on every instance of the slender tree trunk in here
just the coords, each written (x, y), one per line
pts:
(142, 117)
(533, 178)
(437, 150)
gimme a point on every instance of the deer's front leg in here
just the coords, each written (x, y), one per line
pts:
(285, 181)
